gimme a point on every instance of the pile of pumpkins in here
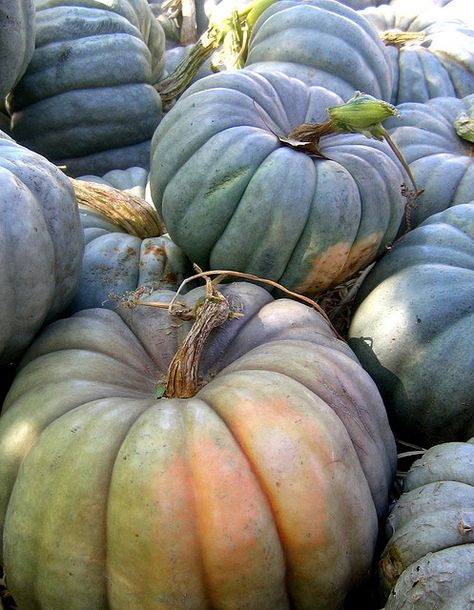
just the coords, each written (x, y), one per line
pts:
(183, 425)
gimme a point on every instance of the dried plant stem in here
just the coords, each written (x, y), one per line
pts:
(182, 380)
(133, 214)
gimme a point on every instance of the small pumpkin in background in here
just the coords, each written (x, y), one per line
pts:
(321, 42)
(41, 245)
(430, 57)
(17, 41)
(234, 488)
(87, 100)
(428, 559)
(437, 140)
(125, 248)
(412, 329)
(238, 188)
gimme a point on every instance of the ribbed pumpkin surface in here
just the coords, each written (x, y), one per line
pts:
(238, 497)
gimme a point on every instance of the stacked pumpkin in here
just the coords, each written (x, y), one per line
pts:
(208, 448)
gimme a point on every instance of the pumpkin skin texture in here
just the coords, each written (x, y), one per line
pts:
(441, 161)
(428, 560)
(237, 497)
(87, 99)
(439, 64)
(116, 262)
(41, 245)
(17, 41)
(118, 259)
(308, 222)
(412, 329)
(321, 42)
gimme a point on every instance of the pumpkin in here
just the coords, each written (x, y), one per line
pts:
(428, 559)
(437, 140)
(17, 41)
(41, 245)
(87, 100)
(431, 57)
(237, 495)
(321, 42)
(412, 329)
(125, 248)
(223, 167)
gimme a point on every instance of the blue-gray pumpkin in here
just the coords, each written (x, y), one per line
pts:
(17, 41)
(234, 193)
(87, 100)
(437, 140)
(125, 249)
(321, 42)
(41, 245)
(413, 329)
(431, 57)
(428, 559)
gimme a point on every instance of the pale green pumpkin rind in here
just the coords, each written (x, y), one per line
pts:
(110, 381)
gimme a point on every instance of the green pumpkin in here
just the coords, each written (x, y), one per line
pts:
(430, 57)
(412, 329)
(41, 245)
(17, 41)
(437, 140)
(234, 193)
(321, 42)
(87, 100)
(428, 559)
(238, 495)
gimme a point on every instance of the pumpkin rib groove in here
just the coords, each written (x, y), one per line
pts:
(343, 366)
(258, 477)
(223, 236)
(247, 442)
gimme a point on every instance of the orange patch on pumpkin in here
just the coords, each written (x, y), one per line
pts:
(337, 264)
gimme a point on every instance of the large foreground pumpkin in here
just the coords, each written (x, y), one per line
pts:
(261, 491)
(236, 192)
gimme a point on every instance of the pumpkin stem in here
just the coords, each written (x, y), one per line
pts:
(362, 113)
(464, 126)
(232, 31)
(182, 380)
(133, 214)
(396, 38)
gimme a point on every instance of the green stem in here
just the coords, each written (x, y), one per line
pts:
(232, 25)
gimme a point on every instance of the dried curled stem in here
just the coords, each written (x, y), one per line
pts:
(182, 380)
